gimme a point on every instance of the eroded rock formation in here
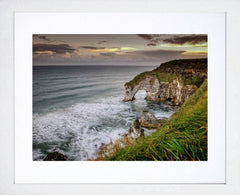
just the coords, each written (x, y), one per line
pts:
(175, 91)
(148, 120)
(136, 130)
(175, 80)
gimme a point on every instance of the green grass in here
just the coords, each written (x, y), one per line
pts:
(162, 77)
(183, 137)
(191, 71)
(198, 63)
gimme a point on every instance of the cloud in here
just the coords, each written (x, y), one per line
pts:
(151, 44)
(56, 48)
(139, 57)
(189, 39)
(108, 54)
(158, 53)
(65, 54)
(154, 40)
(99, 48)
(92, 48)
(44, 38)
(153, 56)
(100, 42)
(146, 36)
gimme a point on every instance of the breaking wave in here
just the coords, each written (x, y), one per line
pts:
(80, 130)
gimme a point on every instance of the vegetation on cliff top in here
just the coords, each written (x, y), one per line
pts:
(183, 137)
(169, 71)
(162, 77)
(199, 65)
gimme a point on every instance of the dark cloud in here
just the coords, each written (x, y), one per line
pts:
(190, 39)
(42, 37)
(96, 48)
(146, 36)
(100, 42)
(136, 50)
(153, 42)
(57, 48)
(154, 39)
(92, 48)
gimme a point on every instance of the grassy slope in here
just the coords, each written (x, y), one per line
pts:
(183, 137)
(165, 76)
(183, 64)
(162, 77)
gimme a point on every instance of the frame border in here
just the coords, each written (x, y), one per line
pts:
(28, 171)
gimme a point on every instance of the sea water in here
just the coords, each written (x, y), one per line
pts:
(78, 109)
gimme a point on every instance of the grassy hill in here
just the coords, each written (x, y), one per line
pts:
(183, 137)
(191, 71)
(184, 66)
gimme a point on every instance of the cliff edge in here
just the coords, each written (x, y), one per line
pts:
(175, 80)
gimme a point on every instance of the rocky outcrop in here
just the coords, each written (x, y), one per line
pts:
(175, 91)
(136, 130)
(148, 120)
(55, 156)
(175, 80)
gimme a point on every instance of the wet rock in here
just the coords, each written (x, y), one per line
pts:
(148, 120)
(136, 130)
(162, 121)
(175, 91)
(55, 156)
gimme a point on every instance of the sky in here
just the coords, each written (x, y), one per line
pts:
(116, 49)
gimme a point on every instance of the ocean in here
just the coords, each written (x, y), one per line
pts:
(78, 109)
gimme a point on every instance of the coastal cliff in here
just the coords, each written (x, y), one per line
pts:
(176, 80)
(181, 137)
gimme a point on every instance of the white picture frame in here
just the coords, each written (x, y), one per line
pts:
(28, 171)
(7, 70)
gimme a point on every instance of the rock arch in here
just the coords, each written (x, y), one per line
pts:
(149, 84)
(175, 91)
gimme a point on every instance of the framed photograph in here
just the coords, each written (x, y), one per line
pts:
(119, 98)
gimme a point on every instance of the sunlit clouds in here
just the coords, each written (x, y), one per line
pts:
(116, 49)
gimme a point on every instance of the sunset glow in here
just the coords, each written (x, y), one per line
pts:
(129, 49)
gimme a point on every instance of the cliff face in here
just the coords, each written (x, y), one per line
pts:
(183, 137)
(168, 83)
(175, 91)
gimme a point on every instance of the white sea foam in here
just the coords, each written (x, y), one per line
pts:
(79, 131)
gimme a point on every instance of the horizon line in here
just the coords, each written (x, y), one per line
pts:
(93, 65)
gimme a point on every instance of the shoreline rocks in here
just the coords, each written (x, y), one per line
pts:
(148, 120)
(55, 156)
(136, 130)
